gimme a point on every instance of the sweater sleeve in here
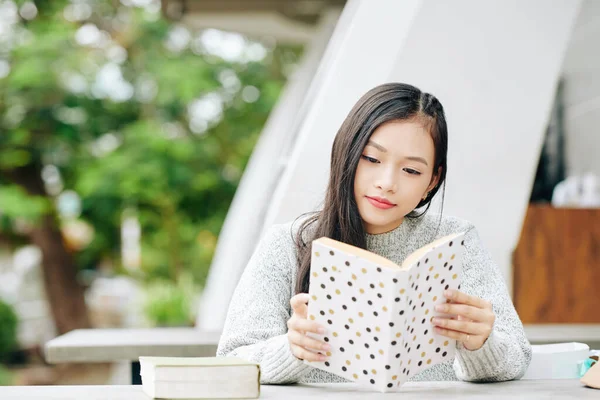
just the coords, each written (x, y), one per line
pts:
(507, 353)
(256, 323)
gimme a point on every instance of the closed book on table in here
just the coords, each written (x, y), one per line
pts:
(199, 378)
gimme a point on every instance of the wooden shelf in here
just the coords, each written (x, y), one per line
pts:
(556, 266)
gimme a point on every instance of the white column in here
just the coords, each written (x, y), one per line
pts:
(242, 227)
(367, 46)
(493, 65)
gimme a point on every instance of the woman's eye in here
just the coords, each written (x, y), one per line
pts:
(370, 159)
(412, 171)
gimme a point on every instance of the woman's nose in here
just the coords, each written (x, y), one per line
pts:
(387, 182)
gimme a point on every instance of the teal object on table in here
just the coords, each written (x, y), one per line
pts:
(585, 365)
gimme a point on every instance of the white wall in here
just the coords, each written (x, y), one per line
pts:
(494, 69)
(581, 71)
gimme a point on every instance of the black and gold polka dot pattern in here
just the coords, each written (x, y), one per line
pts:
(377, 314)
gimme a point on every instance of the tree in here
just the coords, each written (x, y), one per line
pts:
(129, 113)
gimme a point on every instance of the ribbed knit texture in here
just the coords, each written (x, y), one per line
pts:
(256, 328)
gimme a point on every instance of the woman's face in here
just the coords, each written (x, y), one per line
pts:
(394, 173)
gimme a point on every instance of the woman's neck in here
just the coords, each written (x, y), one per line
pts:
(379, 242)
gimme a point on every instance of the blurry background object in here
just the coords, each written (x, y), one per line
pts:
(557, 361)
(551, 167)
(8, 330)
(577, 191)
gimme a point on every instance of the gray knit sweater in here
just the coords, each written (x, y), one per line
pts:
(255, 327)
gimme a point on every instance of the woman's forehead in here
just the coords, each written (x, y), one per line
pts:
(402, 137)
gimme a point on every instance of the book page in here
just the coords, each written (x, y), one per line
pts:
(352, 298)
(416, 255)
(436, 270)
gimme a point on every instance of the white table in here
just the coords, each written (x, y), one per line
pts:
(560, 333)
(109, 345)
(528, 389)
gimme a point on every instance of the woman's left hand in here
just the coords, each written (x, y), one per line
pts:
(474, 322)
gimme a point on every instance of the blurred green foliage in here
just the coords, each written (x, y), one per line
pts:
(6, 378)
(8, 330)
(169, 303)
(134, 112)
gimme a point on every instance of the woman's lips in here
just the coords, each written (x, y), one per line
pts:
(380, 204)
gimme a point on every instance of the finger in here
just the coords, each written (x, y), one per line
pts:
(304, 325)
(299, 303)
(299, 300)
(461, 318)
(302, 340)
(471, 328)
(466, 311)
(459, 297)
(460, 336)
(303, 354)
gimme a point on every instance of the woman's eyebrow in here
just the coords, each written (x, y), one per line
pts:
(418, 159)
(377, 146)
(384, 150)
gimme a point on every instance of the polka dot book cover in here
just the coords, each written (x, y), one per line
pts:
(377, 314)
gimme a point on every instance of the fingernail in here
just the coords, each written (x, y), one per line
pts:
(448, 293)
(435, 321)
(322, 357)
(326, 347)
(321, 330)
(439, 307)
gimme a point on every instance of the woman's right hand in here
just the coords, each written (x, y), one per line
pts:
(298, 325)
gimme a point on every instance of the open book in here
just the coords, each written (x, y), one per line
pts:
(378, 314)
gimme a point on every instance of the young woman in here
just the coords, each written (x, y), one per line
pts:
(387, 162)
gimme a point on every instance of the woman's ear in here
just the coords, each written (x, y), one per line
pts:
(435, 179)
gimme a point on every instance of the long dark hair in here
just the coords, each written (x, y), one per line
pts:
(339, 219)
